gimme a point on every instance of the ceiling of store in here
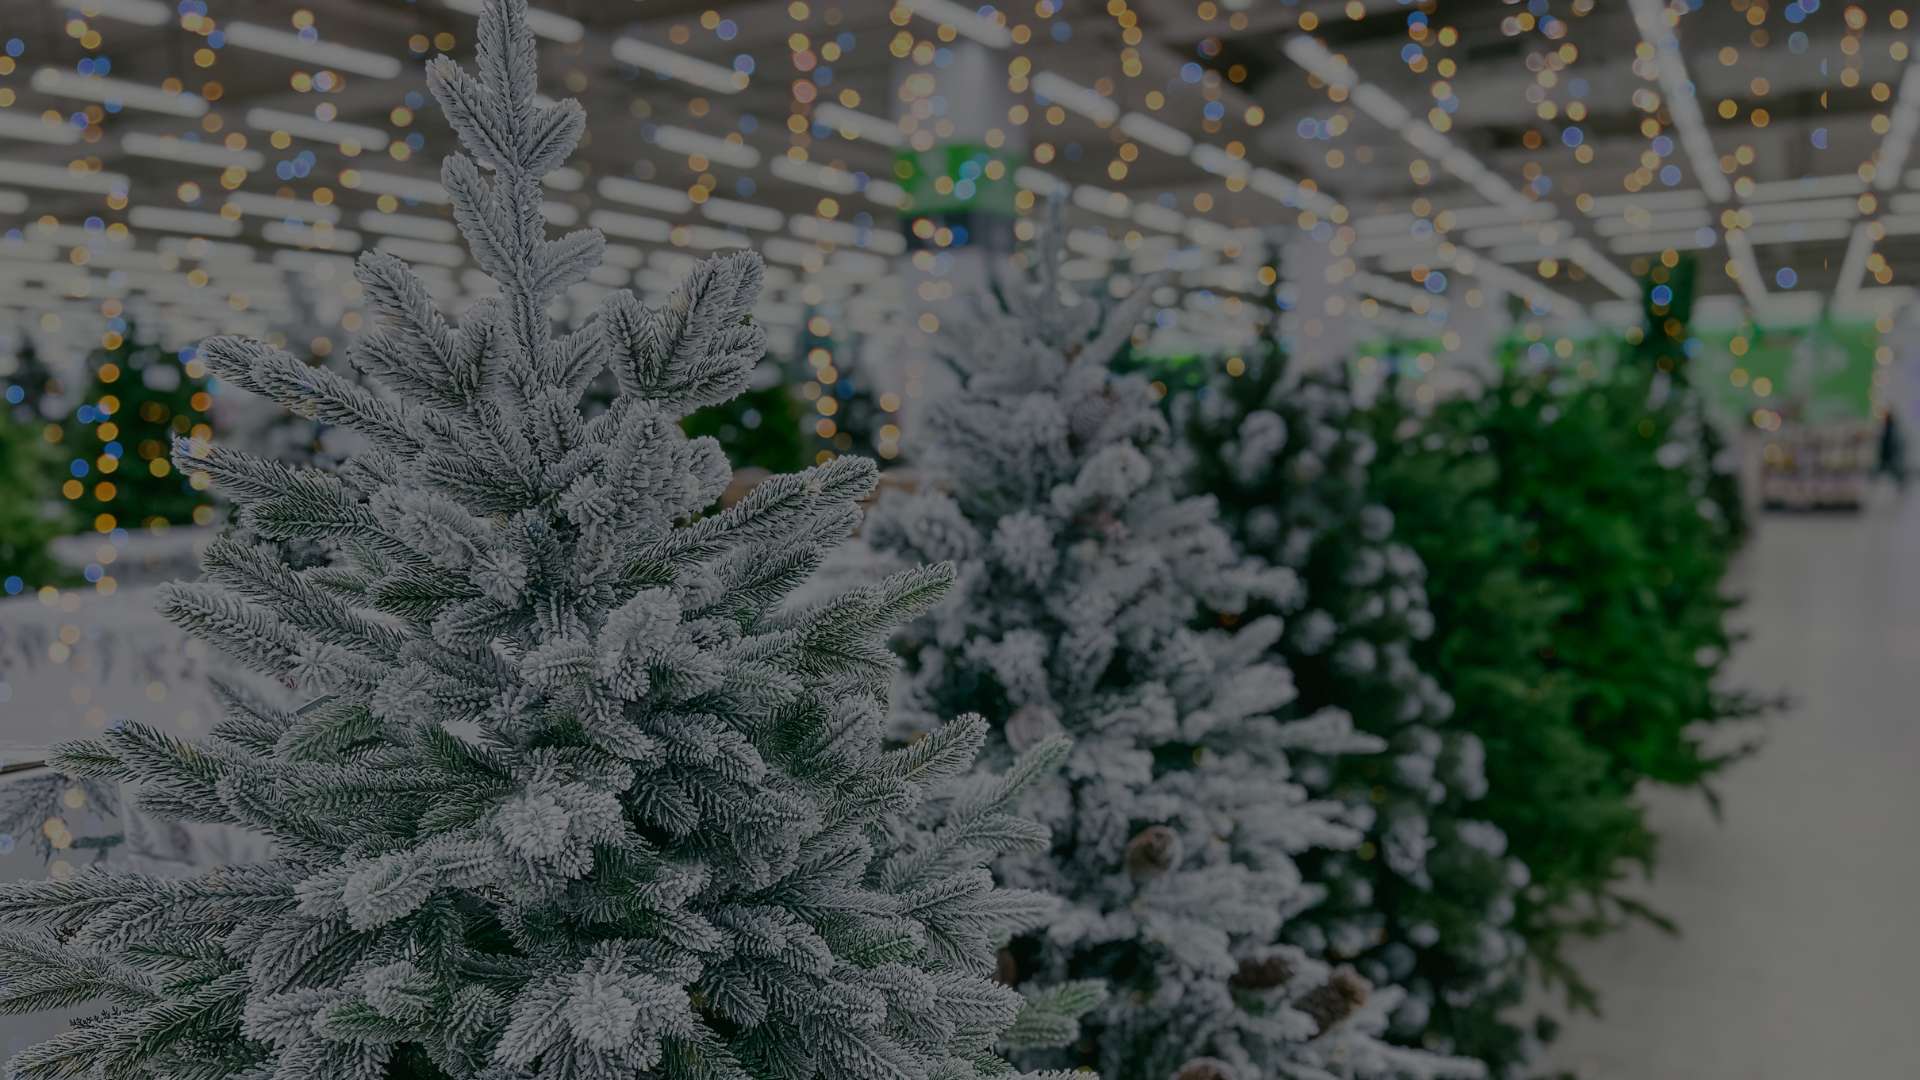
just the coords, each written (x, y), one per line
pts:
(1554, 113)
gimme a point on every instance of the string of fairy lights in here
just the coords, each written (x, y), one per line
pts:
(273, 197)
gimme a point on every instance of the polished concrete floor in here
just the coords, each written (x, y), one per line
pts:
(1799, 956)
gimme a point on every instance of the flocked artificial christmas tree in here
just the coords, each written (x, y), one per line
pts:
(1427, 900)
(1178, 824)
(567, 797)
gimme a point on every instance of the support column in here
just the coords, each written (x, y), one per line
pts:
(1321, 329)
(957, 171)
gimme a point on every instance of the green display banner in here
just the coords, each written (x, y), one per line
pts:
(1819, 371)
(959, 176)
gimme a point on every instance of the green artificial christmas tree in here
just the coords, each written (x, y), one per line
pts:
(28, 520)
(1600, 468)
(1565, 812)
(117, 441)
(572, 793)
(26, 382)
(1427, 901)
(760, 430)
(844, 406)
(1180, 828)
(1664, 346)
(29, 475)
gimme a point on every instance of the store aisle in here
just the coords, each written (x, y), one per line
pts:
(1800, 934)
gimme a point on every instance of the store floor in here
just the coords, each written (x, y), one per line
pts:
(1800, 911)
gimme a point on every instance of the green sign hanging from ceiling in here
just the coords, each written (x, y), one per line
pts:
(958, 176)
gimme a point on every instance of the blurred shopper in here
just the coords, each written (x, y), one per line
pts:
(1893, 452)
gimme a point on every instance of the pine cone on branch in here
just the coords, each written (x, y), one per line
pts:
(1338, 998)
(1152, 852)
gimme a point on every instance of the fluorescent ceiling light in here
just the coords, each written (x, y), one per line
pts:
(743, 215)
(327, 54)
(1524, 286)
(859, 125)
(1382, 106)
(1746, 269)
(324, 237)
(546, 24)
(622, 255)
(186, 151)
(1601, 269)
(1526, 253)
(1385, 224)
(1161, 136)
(1038, 181)
(415, 226)
(678, 65)
(1653, 244)
(708, 238)
(1806, 187)
(313, 262)
(886, 193)
(1218, 162)
(271, 206)
(630, 226)
(61, 83)
(1897, 145)
(640, 193)
(1473, 217)
(1853, 266)
(814, 175)
(680, 140)
(1801, 211)
(411, 188)
(981, 28)
(1677, 93)
(559, 213)
(1155, 216)
(1288, 192)
(844, 234)
(61, 178)
(203, 250)
(1390, 243)
(15, 125)
(565, 178)
(310, 127)
(77, 236)
(1641, 221)
(1398, 292)
(796, 252)
(1111, 203)
(1093, 242)
(1800, 232)
(1091, 104)
(423, 251)
(1536, 233)
(170, 219)
(138, 12)
(1647, 200)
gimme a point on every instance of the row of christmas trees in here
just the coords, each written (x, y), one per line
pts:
(1232, 734)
